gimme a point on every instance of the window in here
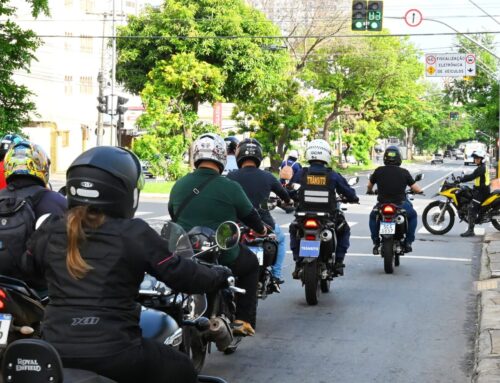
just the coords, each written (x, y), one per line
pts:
(85, 85)
(68, 85)
(87, 5)
(68, 41)
(86, 44)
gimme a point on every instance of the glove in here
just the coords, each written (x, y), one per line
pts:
(223, 273)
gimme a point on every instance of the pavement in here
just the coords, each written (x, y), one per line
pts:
(487, 367)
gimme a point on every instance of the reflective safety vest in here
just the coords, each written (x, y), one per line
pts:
(483, 180)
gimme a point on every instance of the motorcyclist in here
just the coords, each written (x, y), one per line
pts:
(205, 198)
(318, 154)
(94, 260)
(231, 145)
(392, 180)
(7, 141)
(257, 185)
(291, 161)
(480, 191)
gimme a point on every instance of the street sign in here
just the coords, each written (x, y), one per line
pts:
(450, 65)
(413, 18)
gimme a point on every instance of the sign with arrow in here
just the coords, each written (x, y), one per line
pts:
(450, 64)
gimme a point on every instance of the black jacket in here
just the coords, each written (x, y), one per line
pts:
(119, 251)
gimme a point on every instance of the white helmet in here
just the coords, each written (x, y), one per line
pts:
(294, 153)
(479, 153)
(319, 150)
(210, 147)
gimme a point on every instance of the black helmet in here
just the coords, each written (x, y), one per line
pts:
(231, 144)
(7, 142)
(107, 178)
(249, 149)
(392, 156)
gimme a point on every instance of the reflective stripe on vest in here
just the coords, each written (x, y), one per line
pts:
(477, 181)
(316, 196)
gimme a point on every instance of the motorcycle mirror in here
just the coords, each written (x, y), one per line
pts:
(227, 235)
(62, 191)
(353, 181)
(419, 177)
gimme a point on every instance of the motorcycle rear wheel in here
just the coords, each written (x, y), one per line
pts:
(311, 283)
(427, 218)
(496, 224)
(388, 254)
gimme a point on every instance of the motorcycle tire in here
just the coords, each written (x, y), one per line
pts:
(388, 254)
(195, 347)
(425, 218)
(496, 224)
(311, 283)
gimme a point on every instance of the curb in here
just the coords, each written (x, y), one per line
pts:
(487, 363)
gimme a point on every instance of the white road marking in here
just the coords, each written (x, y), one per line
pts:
(367, 255)
(477, 230)
(436, 181)
(161, 218)
(139, 213)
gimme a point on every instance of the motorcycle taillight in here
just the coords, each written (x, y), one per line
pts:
(310, 237)
(3, 297)
(311, 223)
(388, 210)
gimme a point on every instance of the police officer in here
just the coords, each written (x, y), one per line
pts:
(391, 181)
(94, 260)
(318, 154)
(257, 185)
(205, 198)
(481, 190)
(231, 145)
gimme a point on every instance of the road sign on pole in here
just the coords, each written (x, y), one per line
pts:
(413, 18)
(450, 65)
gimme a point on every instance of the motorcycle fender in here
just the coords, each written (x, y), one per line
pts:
(387, 236)
(308, 260)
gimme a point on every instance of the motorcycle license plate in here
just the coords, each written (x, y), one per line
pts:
(5, 320)
(309, 249)
(387, 228)
(259, 252)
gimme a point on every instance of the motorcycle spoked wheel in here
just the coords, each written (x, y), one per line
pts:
(194, 346)
(431, 214)
(495, 223)
(311, 283)
(388, 255)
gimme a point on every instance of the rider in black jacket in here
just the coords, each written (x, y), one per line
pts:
(94, 260)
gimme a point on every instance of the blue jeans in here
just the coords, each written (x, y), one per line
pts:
(411, 214)
(280, 257)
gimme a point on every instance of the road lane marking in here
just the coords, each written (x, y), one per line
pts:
(478, 231)
(436, 181)
(139, 213)
(367, 255)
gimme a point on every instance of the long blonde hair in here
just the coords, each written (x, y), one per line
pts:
(78, 218)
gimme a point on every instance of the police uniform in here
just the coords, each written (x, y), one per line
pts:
(480, 192)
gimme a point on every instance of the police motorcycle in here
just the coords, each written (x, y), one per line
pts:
(393, 229)
(316, 230)
(439, 216)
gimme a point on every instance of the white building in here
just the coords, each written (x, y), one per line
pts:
(64, 78)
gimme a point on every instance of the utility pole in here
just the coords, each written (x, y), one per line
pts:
(102, 82)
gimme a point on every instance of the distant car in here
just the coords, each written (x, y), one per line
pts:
(447, 154)
(438, 159)
(459, 155)
(146, 169)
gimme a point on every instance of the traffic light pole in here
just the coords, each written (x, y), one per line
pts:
(100, 78)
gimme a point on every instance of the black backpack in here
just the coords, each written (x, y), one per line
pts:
(17, 223)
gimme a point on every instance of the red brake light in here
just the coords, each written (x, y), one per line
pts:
(311, 224)
(310, 237)
(2, 297)
(388, 209)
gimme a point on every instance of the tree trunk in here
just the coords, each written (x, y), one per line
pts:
(329, 120)
(409, 143)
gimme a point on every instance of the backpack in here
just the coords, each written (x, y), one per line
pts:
(286, 172)
(17, 223)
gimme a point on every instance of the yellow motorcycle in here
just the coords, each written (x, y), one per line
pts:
(439, 216)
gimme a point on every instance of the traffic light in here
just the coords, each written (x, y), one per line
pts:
(375, 15)
(359, 15)
(102, 107)
(120, 109)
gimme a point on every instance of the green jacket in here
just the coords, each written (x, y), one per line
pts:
(221, 200)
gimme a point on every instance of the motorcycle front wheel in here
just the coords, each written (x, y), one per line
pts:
(194, 346)
(430, 218)
(311, 283)
(388, 254)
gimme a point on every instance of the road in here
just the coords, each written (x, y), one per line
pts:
(416, 325)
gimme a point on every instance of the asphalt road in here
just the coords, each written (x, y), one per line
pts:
(416, 325)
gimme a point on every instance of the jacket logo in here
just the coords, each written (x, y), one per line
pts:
(4, 221)
(85, 321)
(316, 180)
(87, 184)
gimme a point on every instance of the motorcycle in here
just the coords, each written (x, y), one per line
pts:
(266, 250)
(392, 232)
(37, 361)
(439, 216)
(318, 240)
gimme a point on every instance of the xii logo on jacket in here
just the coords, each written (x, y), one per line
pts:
(85, 321)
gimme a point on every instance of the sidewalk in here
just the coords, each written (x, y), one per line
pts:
(487, 367)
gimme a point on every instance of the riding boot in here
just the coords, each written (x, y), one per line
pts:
(470, 230)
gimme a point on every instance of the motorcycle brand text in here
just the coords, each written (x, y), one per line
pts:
(28, 365)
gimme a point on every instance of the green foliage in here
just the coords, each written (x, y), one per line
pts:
(362, 139)
(17, 47)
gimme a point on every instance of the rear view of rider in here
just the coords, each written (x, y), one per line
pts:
(94, 260)
(7, 141)
(481, 189)
(231, 145)
(392, 181)
(205, 198)
(257, 185)
(292, 162)
(318, 154)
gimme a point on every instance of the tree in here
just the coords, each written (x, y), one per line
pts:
(17, 47)
(362, 139)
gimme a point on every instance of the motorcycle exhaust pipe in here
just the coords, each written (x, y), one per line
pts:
(326, 235)
(400, 219)
(220, 333)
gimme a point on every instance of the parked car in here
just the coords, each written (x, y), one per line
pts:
(437, 159)
(146, 169)
(459, 155)
(447, 154)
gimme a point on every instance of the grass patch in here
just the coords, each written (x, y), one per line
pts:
(355, 169)
(162, 187)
